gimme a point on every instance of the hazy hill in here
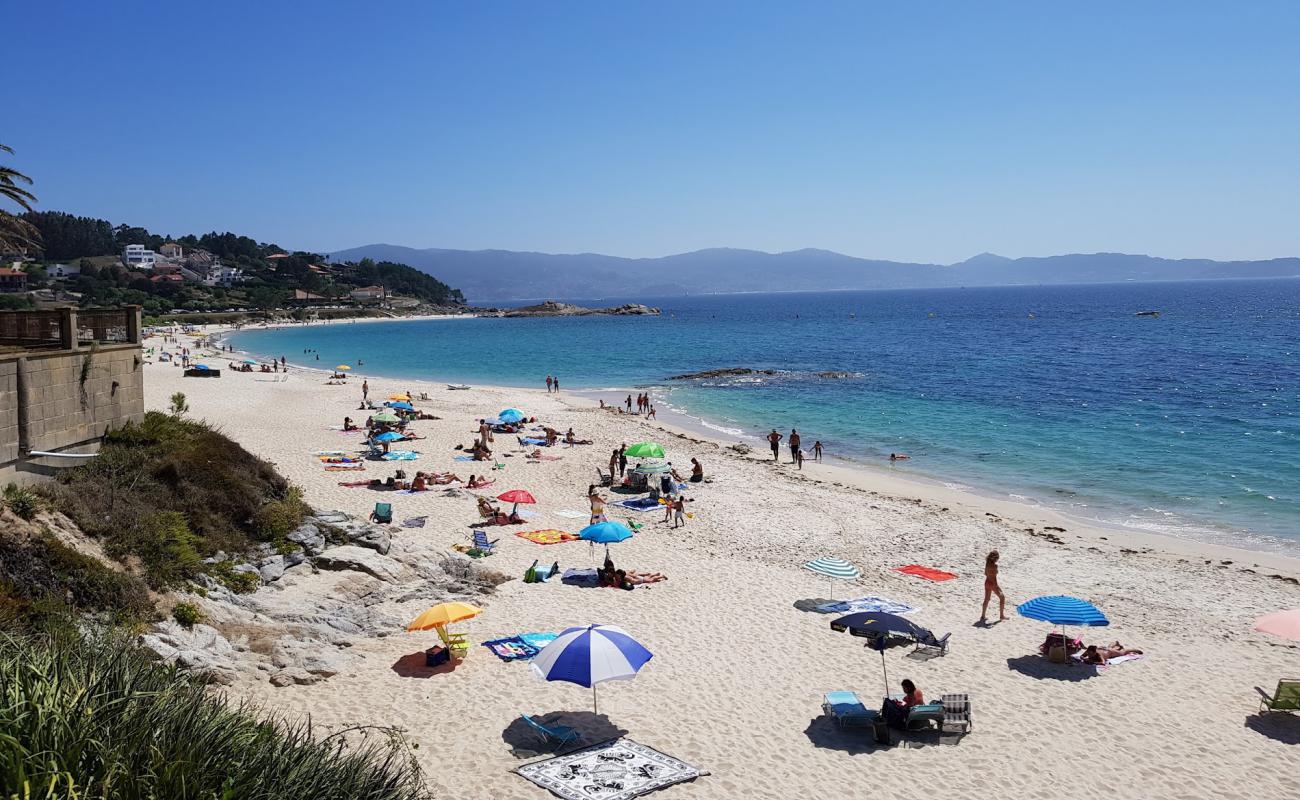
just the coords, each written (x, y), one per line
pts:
(492, 275)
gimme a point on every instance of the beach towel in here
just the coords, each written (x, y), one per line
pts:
(639, 504)
(538, 640)
(1122, 659)
(878, 605)
(619, 769)
(330, 453)
(344, 467)
(538, 442)
(401, 455)
(414, 522)
(567, 514)
(354, 484)
(463, 458)
(929, 573)
(550, 536)
(510, 648)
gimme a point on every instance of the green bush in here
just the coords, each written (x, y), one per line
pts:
(23, 502)
(165, 546)
(40, 576)
(187, 614)
(94, 718)
(237, 582)
(278, 518)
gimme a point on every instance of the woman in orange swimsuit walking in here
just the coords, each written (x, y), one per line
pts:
(991, 587)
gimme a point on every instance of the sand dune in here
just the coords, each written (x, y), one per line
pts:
(736, 681)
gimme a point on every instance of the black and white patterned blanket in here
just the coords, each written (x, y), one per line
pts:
(615, 770)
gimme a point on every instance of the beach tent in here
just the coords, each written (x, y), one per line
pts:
(833, 568)
(591, 655)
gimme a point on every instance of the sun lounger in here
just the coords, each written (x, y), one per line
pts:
(383, 512)
(562, 735)
(956, 712)
(925, 716)
(481, 542)
(1286, 697)
(928, 644)
(848, 711)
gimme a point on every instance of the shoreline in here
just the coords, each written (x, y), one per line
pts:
(868, 476)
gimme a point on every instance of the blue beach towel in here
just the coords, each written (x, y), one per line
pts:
(401, 455)
(541, 442)
(538, 640)
(463, 458)
(639, 504)
(511, 648)
(878, 605)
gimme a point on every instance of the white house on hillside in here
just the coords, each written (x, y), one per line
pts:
(368, 294)
(135, 256)
(172, 250)
(62, 271)
(222, 275)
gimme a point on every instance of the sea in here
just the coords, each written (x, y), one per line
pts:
(1186, 423)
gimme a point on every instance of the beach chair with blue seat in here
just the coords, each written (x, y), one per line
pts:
(383, 513)
(561, 735)
(848, 711)
(481, 542)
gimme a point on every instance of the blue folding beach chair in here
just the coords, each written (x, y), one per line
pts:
(560, 734)
(481, 541)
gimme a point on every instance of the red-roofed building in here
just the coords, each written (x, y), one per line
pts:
(12, 280)
(170, 277)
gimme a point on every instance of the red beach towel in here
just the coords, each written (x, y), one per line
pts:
(929, 573)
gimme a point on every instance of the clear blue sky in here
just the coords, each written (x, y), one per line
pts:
(912, 131)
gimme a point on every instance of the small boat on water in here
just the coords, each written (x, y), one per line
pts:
(457, 386)
(1147, 314)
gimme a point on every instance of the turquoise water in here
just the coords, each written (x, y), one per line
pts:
(1188, 423)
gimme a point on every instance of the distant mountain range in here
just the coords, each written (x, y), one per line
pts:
(486, 276)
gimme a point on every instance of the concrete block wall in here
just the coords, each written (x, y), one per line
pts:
(63, 411)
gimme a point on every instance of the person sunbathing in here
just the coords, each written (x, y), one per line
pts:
(571, 439)
(478, 482)
(418, 483)
(636, 578)
(443, 478)
(1102, 655)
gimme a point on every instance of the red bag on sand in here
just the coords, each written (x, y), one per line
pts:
(929, 573)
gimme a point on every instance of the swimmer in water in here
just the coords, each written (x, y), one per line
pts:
(898, 457)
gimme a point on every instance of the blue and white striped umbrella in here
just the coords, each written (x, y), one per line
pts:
(1063, 610)
(591, 655)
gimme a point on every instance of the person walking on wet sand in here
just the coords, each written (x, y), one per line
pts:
(798, 457)
(629, 404)
(991, 588)
(794, 445)
(817, 450)
(557, 383)
(549, 382)
(775, 439)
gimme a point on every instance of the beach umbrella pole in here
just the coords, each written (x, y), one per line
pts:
(595, 707)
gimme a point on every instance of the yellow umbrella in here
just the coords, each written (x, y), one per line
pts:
(405, 397)
(343, 367)
(443, 614)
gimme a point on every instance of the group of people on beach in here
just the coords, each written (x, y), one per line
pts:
(552, 384)
(795, 443)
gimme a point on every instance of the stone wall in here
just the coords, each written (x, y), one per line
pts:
(70, 399)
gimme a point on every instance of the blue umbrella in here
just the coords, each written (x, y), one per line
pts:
(605, 532)
(591, 655)
(402, 405)
(510, 415)
(1062, 610)
(877, 628)
(249, 362)
(201, 366)
(389, 436)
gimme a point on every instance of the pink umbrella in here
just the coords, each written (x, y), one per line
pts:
(1281, 623)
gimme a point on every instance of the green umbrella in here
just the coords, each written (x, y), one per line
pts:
(645, 450)
(386, 416)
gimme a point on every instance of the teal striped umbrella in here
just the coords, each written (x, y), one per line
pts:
(833, 568)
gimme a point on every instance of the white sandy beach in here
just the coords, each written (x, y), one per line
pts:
(738, 673)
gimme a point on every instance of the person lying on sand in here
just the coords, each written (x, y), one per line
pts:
(1102, 655)
(571, 439)
(478, 482)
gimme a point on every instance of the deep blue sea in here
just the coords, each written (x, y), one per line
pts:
(1188, 423)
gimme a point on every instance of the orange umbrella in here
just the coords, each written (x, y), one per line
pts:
(442, 615)
(405, 397)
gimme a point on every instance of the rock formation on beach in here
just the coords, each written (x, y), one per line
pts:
(552, 308)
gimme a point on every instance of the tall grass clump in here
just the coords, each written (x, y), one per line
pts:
(93, 718)
(169, 492)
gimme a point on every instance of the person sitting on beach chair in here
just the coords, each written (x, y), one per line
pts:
(494, 515)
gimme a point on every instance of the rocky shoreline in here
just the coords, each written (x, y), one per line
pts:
(314, 603)
(552, 308)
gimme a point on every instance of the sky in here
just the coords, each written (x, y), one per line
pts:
(927, 131)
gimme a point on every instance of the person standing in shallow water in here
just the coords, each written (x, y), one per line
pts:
(817, 450)
(794, 442)
(991, 587)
